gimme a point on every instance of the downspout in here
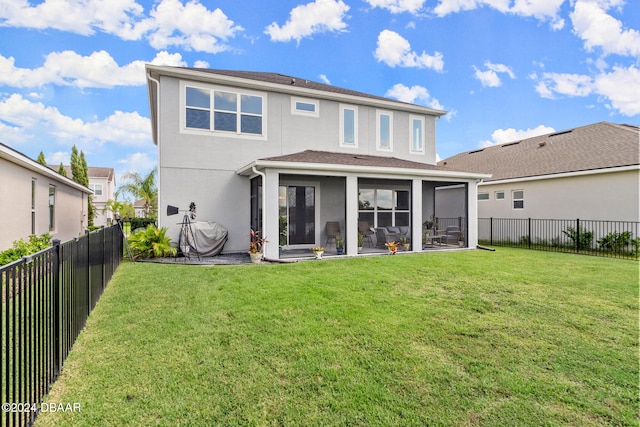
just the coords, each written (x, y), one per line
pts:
(157, 82)
(264, 198)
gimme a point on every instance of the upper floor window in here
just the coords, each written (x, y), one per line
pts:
(417, 134)
(384, 137)
(305, 107)
(483, 196)
(97, 189)
(518, 199)
(499, 195)
(348, 126)
(218, 110)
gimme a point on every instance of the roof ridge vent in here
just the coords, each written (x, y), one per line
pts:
(476, 151)
(560, 133)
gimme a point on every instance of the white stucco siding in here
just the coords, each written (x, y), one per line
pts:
(220, 196)
(602, 196)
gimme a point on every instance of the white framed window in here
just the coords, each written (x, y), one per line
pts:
(384, 134)
(52, 207)
(225, 110)
(483, 196)
(518, 199)
(417, 134)
(348, 126)
(305, 107)
(499, 195)
(97, 189)
(384, 207)
(33, 205)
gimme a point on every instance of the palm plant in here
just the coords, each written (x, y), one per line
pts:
(141, 187)
(152, 242)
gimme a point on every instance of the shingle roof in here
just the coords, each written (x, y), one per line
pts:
(284, 80)
(94, 172)
(326, 157)
(596, 146)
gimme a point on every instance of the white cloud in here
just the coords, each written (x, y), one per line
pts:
(136, 162)
(598, 29)
(309, 19)
(394, 50)
(543, 10)
(620, 88)
(414, 95)
(59, 157)
(398, 6)
(502, 136)
(325, 79)
(68, 68)
(190, 26)
(34, 118)
(489, 77)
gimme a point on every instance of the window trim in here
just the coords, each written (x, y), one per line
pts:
(379, 114)
(499, 198)
(295, 111)
(94, 188)
(483, 194)
(421, 150)
(342, 109)
(222, 133)
(52, 207)
(514, 199)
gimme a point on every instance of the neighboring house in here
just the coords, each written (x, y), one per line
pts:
(138, 208)
(590, 172)
(250, 147)
(102, 181)
(37, 200)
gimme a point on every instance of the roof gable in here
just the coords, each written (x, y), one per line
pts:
(598, 146)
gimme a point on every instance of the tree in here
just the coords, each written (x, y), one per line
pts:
(41, 159)
(62, 171)
(80, 174)
(76, 166)
(142, 188)
(124, 209)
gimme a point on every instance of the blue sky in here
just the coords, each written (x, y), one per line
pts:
(72, 71)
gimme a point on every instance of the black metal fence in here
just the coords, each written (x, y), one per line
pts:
(617, 239)
(46, 299)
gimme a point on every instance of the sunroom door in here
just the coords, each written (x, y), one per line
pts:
(298, 204)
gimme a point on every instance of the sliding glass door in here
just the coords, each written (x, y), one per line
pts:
(298, 210)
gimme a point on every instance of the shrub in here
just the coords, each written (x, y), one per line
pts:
(151, 242)
(615, 241)
(582, 238)
(23, 248)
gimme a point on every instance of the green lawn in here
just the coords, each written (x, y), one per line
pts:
(511, 337)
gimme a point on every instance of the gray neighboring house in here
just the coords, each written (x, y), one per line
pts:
(590, 172)
(37, 200)
(250, 148)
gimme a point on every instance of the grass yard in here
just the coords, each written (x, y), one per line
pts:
(511, 337)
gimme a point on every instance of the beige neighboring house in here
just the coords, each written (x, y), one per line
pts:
(37, 200)
(590, 172)
(138, 209)
(103, 183)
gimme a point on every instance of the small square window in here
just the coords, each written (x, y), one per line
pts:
(305, 107)
(483, 196)
(499, 195)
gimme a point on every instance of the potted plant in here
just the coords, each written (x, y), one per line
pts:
(256, 244)
(339, 244)
(393, 247)
(318, 251)
(405, 243)
(360, 242)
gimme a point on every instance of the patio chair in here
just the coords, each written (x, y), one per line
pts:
(332, 228)
(366, 231)
(383, 235)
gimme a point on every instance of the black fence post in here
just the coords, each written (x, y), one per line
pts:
(491, 231)
(57, 348)
(578, 235)
(88, 236)
(529, 233)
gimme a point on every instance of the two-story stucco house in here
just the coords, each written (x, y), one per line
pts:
(250, 148)
(103, 183)
(38, 200)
